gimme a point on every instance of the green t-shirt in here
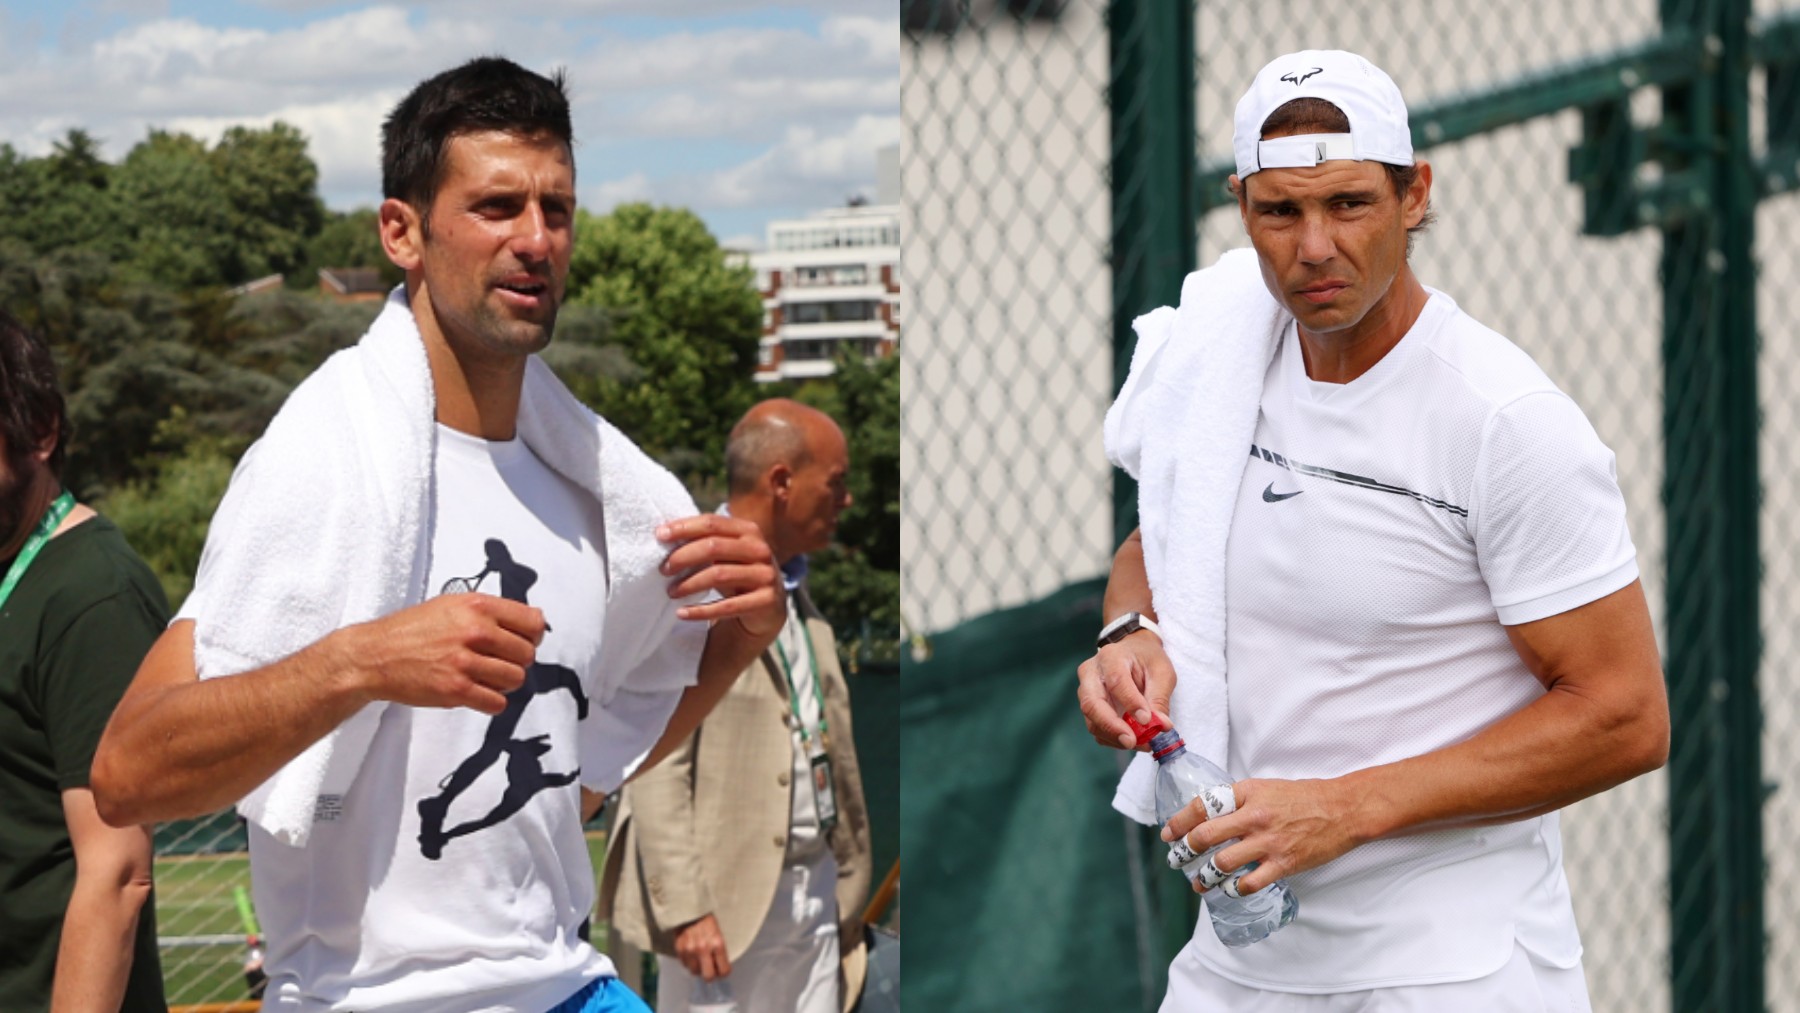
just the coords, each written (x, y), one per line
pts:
(71, 637)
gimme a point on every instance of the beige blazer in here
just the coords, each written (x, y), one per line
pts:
(705, 831)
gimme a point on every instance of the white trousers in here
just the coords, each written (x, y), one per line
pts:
(1521, 986)
(792, 964)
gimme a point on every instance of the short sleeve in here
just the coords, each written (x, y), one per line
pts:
(1548, 516)
(85, 671)
(617, 738)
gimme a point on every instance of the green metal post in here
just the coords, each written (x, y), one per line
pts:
(1710, 493)
(1150, 95)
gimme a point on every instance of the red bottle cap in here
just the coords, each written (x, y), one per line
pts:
(1145, 732)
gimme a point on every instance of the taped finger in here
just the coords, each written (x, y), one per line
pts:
(1210, 875)
(1219, 800)
(1180, 853)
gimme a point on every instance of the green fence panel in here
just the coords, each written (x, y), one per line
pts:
(1029, 891)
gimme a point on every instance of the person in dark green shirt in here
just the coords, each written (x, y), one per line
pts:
(78, 611)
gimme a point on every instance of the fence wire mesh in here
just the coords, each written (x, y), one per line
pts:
(1009, 368)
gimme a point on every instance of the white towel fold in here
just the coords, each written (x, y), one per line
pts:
(1182, 426)
(327, 523)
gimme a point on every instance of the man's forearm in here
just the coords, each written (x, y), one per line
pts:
(730, 649)
(1128, 586)
(188, 747)
(1558, 750)
(1602, 720)
(93, 961)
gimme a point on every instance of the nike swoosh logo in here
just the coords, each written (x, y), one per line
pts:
(1271, 496)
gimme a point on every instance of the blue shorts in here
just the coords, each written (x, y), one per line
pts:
(603, 995)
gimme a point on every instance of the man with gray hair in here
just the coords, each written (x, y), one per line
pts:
(745, 855)
(1383, 574)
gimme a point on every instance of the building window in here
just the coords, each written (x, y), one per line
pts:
(844, 311)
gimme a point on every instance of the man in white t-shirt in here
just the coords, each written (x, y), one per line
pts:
(481, 638)
(1434, 633)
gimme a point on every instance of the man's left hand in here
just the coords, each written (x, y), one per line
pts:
(714, 552)
(1286, 827)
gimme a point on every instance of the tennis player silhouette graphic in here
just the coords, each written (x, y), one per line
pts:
(525, 773)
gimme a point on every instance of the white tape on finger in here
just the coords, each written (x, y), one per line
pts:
(1219, 800)
(1181, 853)
(1210, 876)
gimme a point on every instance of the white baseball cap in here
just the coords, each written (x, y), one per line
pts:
(1368, 98)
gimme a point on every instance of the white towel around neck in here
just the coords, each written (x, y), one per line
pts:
(1182, 426)
(335, 530)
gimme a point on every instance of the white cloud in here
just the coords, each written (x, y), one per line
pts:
(606, 195)
(806, 169)
(672, 9)
(814, 104)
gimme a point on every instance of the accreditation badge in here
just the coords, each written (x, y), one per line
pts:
(823, 793)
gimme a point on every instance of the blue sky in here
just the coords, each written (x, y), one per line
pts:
(744, 112)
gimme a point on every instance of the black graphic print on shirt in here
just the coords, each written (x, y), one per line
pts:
(525, 773)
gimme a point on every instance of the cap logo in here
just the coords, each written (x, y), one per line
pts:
(1297, 78)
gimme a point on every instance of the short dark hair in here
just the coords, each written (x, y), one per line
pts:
(487, 93)
(32, 408)
(1317, 116)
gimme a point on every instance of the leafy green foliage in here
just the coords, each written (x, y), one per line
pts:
(166, 516)
(345, 239)
(684, 318)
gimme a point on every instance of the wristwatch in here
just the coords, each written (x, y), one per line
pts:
(1124, 626)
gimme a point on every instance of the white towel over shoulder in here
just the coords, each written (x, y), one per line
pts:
(1182, 426)
(327, 523)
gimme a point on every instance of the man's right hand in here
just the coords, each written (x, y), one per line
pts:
(456, 650)
(1131, 676)
(701, 947)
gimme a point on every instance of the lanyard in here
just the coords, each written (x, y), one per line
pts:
(787, 670)
(59, 508)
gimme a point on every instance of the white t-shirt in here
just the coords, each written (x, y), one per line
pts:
(457, 878)
(1384, 531)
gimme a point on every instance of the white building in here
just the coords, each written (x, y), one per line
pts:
(828, 281)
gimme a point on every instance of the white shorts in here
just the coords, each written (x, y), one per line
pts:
(1521, 986)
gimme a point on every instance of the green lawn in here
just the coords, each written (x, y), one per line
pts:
(194, 898)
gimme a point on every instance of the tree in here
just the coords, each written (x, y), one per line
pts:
(177, 215)
(166, 517)
(242, 209)
(271, 190)
(687, 321)
(345, 239)
(61, 200)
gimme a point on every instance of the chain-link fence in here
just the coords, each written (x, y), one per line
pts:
(1014, 192)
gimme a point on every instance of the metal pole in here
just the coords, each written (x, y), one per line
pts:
(1710, 493)
(1150, 95)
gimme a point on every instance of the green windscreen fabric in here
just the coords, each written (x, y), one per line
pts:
(1026, 890)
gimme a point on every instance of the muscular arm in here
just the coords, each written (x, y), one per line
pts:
(178, 746)
(1602, 720)
(112, 881)
(1133, 674)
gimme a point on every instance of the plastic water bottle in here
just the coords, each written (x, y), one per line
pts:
(1181, 777)
(712, 996)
